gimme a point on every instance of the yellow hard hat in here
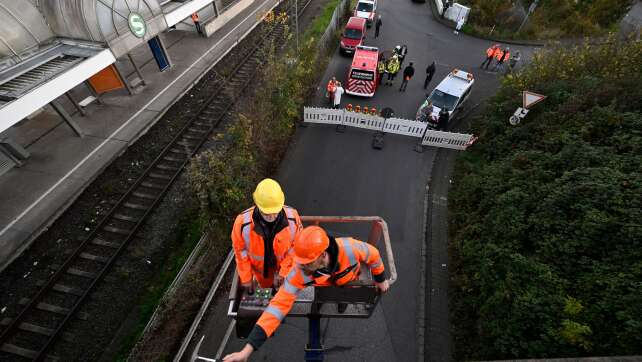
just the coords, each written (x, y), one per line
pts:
(269, 197)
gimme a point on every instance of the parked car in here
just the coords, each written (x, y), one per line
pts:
(366, 9)
(450, 93)
(353, 35)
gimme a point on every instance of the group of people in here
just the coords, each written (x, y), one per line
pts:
(391, 67)
(273, 249)
(334, 91)
(425, 114)
(501, 56)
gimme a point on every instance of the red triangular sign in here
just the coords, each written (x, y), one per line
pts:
(529, 98)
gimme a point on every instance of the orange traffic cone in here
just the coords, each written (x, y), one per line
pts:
(365, 110)
(349, 107)
(357, 108)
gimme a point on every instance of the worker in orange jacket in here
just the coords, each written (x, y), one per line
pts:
(490, 55)
(262, 237)
(319, 260)
(501, 57)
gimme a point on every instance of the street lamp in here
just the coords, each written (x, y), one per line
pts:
(530, 11)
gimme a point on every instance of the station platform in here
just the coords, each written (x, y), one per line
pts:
(62, 164)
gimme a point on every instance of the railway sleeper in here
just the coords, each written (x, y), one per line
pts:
(181, 151)
(135, 206)
(105, 243)
(160, 176)
(192, 137)
(34, 328)
(81, 273)
(166, 167)
(47, 307)
(116, 230)
(62, 288)
(198, 130)
(144, 195)
(24, 352)
(187, 144)
(123, 217)
(152, 185)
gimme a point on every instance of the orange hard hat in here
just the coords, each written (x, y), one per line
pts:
(309, 244)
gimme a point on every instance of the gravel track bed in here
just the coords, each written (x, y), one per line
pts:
(140, 262)
(116, 295)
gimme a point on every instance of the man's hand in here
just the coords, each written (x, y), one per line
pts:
(383, 286)
(278, 281)
(240, 356)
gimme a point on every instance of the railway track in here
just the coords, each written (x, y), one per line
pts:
(32, 333)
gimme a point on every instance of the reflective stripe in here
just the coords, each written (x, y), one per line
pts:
(306, 279)
(364, 248)
(275, 312)
(376, 265)
(256, 257)
(348, 250)
(246, 228)
(243, 254)
(290, 215)
(290, 288)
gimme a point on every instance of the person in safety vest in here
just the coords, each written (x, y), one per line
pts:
(393, 68)
(319, 260)
(262, 237)
(490, 55)
(502, 56)
(381, 69)
(332, 86)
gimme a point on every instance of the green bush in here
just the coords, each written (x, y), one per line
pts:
(546, 216)
(551, 19)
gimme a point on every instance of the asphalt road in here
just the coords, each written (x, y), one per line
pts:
(330, 173)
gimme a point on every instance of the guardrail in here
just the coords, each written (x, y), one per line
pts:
(400, 126)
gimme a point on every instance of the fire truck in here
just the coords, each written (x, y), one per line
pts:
(363, 78)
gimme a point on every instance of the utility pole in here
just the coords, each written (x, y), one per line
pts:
(531, 9)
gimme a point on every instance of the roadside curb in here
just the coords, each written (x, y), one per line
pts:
(450, 24)
(421, 312)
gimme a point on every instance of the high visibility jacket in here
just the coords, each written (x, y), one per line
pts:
(381, 67)
(505, 55)
(332, 86)
(351, 253)
(393, 66)
(490, 52)
(195, 17)
(499, 54)
(249, 249)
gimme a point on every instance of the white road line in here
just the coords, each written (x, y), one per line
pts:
(82, 162)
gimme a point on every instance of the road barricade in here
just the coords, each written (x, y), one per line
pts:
(400, 126)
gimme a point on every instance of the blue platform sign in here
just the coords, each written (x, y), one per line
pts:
(159, 53)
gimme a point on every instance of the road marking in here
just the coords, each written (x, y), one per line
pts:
(92, 153)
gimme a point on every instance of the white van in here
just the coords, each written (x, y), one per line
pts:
(366, 9)
(450, 93)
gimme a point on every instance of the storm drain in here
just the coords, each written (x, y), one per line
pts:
(6, 163)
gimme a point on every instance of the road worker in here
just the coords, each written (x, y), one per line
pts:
(381, 68)
(262, 237)
(319, 260)
(502, 56)
(490, 55)
(393, 68)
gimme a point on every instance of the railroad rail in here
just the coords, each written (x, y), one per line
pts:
(32, 333)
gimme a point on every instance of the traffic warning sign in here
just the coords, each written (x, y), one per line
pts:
(529, 99)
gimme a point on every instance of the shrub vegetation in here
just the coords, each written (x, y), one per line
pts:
(546, 216)
(551, 19)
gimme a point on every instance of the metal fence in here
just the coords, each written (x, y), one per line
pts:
(400, 126)
(327, 40)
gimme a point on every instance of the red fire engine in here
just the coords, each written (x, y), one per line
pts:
(362, 78)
